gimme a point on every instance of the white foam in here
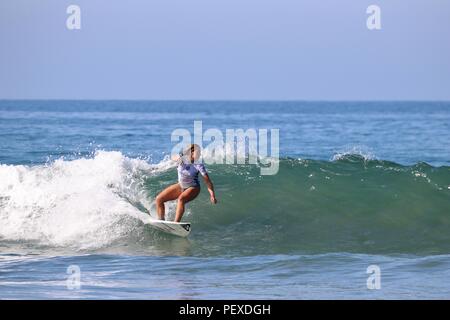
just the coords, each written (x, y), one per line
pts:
(84, 203)
(365, 152)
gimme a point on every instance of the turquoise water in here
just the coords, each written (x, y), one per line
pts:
(359, 184)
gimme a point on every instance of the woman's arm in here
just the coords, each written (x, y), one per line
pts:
(210, 186)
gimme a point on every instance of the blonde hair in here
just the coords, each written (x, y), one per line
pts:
(192, 149)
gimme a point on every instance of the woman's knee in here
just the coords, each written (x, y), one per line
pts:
(182, 199)
(185, 198)
(159, 200)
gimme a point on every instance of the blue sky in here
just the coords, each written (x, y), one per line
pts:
(225, 49)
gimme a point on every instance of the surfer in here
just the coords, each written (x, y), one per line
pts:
(188, 186)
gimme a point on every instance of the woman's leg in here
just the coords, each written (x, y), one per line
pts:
(170, 193)
(185, 197)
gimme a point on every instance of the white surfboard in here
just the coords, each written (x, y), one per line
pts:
(181, 229)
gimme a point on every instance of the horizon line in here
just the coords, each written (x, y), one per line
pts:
(225, 100)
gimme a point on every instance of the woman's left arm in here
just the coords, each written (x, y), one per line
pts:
(210, 186)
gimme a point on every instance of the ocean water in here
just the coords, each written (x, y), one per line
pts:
(361, 186)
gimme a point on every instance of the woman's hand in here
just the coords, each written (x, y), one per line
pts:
(178, 159)
(175, 157)
(212, 194)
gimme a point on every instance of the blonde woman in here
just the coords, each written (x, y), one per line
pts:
(188, 186)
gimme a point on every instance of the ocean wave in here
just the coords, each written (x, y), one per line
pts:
(354, 203)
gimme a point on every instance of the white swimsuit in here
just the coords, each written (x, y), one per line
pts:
(188, 174)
